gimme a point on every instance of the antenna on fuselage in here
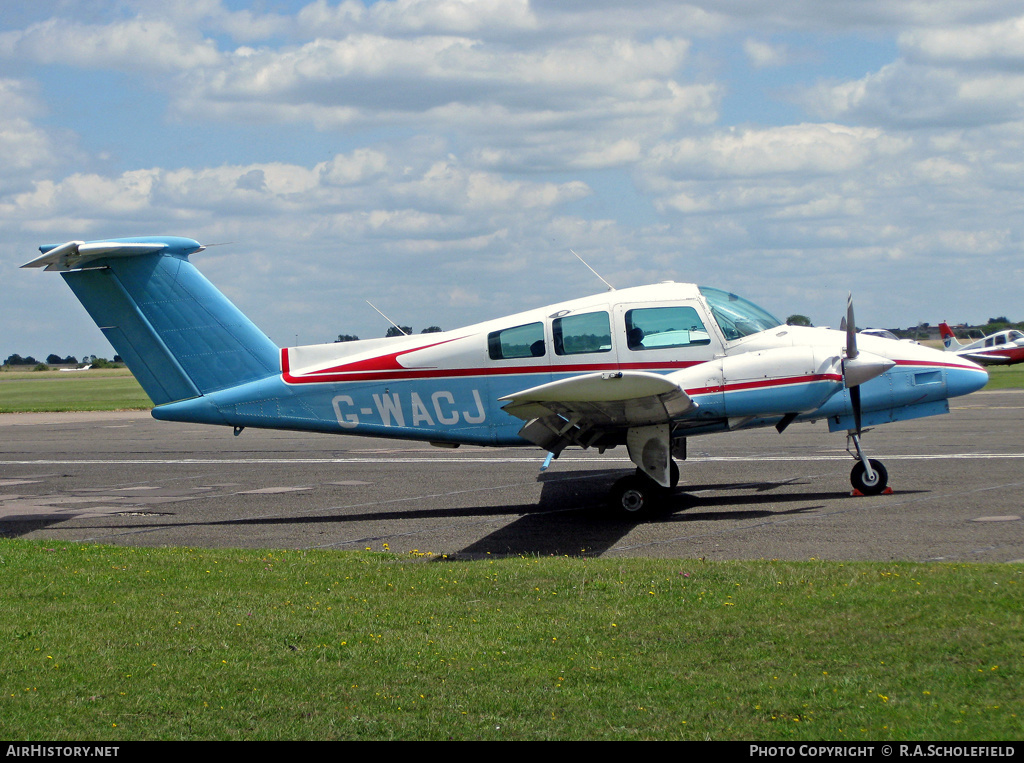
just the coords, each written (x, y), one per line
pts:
(404, 332)
(610, 287)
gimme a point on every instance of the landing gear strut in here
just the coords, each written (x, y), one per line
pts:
(868, 476)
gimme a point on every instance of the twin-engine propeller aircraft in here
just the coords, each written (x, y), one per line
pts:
(1003, 348)
(644, 367)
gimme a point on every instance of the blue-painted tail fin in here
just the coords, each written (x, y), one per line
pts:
(176, 332)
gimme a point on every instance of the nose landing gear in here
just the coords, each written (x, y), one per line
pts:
(869, 476)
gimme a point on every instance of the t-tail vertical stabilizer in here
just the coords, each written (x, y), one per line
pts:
(177, 333)
(949, 338)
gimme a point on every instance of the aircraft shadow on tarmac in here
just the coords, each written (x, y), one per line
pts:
(568, 521)
(569, 518)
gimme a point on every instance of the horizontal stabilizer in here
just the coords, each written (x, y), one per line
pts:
(77, 254)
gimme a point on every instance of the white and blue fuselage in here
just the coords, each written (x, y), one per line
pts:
(446, 387)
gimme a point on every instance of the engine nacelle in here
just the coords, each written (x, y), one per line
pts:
(765, 382)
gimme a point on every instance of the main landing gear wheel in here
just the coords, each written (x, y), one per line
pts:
(635, 496)
(858, 478)
(638, 495)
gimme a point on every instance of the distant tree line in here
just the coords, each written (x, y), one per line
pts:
(392, 331)
(53, 359)
(17, 360)
(994, 325)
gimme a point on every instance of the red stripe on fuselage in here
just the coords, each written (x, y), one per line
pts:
(379, 374)
(387, 362)
(933, 364)
(386, 368)
(1015, 354)
(764, 383)
(370, 373)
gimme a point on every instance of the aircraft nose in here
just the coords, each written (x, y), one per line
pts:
(965, 379)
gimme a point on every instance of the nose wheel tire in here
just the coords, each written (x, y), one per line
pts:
(859, 480)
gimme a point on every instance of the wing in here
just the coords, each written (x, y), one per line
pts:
(985, 359)
(580, 409)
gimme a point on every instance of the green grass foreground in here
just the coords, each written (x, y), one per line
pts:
(108, 643)
(113, 389)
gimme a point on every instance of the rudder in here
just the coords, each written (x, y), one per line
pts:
(948, 337)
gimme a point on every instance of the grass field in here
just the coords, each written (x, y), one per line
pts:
(104, 643)
(1005, 377)
(111, 389)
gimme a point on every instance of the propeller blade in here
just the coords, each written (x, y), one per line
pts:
(851, 329)
(851, 378)
(855, 403)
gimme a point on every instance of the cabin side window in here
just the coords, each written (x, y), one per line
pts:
(517, 342)
(659, 328)
(579, 334)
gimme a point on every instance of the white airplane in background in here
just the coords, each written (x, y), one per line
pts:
(884, 334)
(645, 367)
(1004, 348)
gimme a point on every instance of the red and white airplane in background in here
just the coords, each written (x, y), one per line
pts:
(1000, 349)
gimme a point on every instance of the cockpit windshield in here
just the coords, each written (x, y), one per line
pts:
(736, 316)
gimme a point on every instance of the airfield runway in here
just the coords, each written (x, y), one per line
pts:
(127, 479)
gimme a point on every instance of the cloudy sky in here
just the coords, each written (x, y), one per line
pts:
(441, 157)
